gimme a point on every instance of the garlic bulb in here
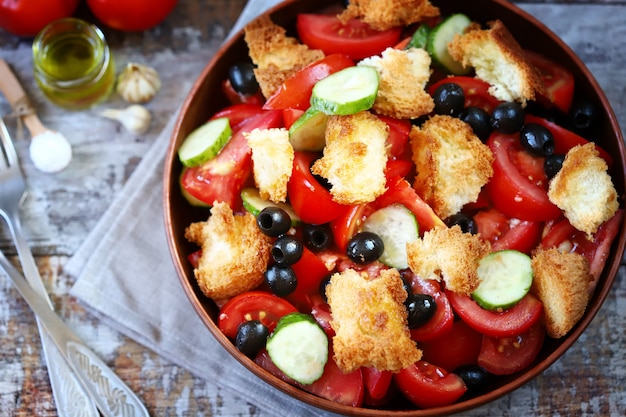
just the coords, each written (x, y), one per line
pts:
(135, 118)
(138, 83)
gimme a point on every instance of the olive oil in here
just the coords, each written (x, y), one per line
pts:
(73, 65)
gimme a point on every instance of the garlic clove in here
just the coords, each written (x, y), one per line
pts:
(138, 83)
(135, 118)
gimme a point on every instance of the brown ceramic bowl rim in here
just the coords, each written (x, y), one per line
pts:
(172, 167)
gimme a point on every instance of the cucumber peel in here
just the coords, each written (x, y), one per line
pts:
(505, 278)
(439, 38)
(420, 37)
(299, 347)
(307, 133)
(345, 92)
(205, 142)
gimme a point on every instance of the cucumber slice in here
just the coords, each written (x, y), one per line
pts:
(204, 142)
(307, 133)
(348, 91)
(441, 36)
(419, 38)
(396, 226)
(253, 203)
(299, 347)
(505, 278)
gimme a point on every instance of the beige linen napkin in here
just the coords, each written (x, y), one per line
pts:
(125, 273)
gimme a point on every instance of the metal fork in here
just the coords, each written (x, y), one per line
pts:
(70, 398)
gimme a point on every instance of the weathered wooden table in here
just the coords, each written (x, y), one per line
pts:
(61, 210)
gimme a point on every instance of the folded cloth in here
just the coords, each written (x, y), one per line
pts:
(124, 272)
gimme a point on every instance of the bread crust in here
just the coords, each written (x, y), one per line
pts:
(383, 15)
(235, 253)
(370, 321)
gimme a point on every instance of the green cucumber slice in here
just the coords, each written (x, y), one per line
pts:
(420, 37)
(505, 278)
(439, 38)
(205, 142)
(307, 132)
(348, 91)
(299, 347)
(396, 226)
(253, 203)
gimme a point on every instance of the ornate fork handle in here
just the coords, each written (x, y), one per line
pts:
(112, 397)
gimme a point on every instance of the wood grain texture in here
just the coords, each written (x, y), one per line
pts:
(61, 209)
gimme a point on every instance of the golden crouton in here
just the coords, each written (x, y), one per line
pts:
(560, 282)
(276, 55)
(354, 158)
(370, 321)
(403, 75)
(452, 164)
(584, 190)
(272, 156)
(448, 254)
(499, 60)
(383, 15)
(235, 253)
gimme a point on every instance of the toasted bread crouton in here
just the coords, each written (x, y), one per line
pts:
(448, 254)
(276, 55)
(354, 158)
(383, 15)
(560, 281)
(499, 60)
(403, 75)
(584, 190)
(235, 253)
(452, 164)
(370, 321)
(272, 157)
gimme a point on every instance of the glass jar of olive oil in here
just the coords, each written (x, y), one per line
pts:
(72, 63)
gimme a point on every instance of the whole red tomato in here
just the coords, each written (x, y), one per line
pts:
(28, 17)
(131, 15)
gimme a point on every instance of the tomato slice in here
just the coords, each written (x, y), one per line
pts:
(238, 114)
(349, 223)
(398, 138)
(309, 199)
(236, 98)
(252, 305)
(512, 192)
(558, 82)
(309, 270)
(506, 233)
(428, 386)
(290, 116)
(460, 346)
(320, 310)
(511, 322)
(476, 91)
(377, 383)
(223, 177)
(507, 355)
(443, 320)
(354, 38)
(295, 93)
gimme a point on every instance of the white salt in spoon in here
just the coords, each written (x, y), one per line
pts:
(49, 150)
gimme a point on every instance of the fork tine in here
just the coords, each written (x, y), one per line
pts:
(7, 145)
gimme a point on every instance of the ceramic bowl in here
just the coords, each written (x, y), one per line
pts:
(206, 98)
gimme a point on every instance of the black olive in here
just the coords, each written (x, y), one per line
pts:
(478, 119)
(242, 79)
(281, 279)
(251, 337)
(287, 250)
(552, 165)
(365, 247)
(323, 284)
(474, 376)
(449, 99)
(583, 115)
(420, 308)
(406, 282)
(507, 117)
(316, 237)
(273, 221)
(465, 222)
(537, 139)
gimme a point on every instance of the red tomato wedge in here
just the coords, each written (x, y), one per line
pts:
(512, 192)
(354, 38)
(238, 114)
(295, 92)
(237, 98)
(558, 82)
(310, 270)
(252, 305)
(511, 322)
(475, 91)
(507, 355)
(428, 386)
(376, 382)
(443, 320)
(460, 346)
(349, 223)
(505, 233)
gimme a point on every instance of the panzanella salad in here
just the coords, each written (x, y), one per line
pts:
(391, 210)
